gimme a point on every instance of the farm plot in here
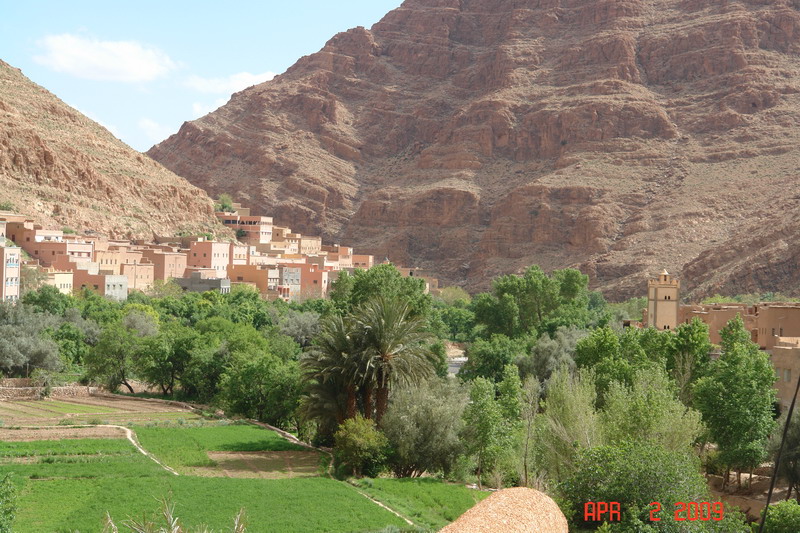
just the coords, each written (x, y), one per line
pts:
(229, 450)
(99, 409)
(427, 502)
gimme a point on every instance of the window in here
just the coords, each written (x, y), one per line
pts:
(787, 375)
(666, 327)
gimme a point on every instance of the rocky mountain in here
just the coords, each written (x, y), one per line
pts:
(476, 137)
(63, 169)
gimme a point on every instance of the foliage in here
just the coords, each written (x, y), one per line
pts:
(8, 504)
(302, 326)
(459, 323)
(360, 448)
(381, 281)
(454, 296)
(535, 302)
(783, 517)
(488, 358)
(224, 203)
(649, 411)
(688, 358)
(264, 388)
(736, 398)
(789, 470)
(569, 422)
(422, 425)
(530, 395)
(551, 353)
(394, 348)
(7, 206)
(483, 426)
(24, 344)
(636, 474)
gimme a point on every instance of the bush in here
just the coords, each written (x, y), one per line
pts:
(783, 517)
(359, 449)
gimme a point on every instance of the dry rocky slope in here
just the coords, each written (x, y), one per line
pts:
(63, 169)
(476, 137)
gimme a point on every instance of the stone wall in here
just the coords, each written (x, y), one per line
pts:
(33, 393)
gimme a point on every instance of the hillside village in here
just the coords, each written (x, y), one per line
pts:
(279, 263)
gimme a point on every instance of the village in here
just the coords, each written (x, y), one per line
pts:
(279, 263)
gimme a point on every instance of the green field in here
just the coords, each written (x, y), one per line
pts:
(69, 485)
(285, 506)
(426, 502)
(182, 447)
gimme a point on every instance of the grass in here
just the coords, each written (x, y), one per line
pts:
(183, 447)
(427, 502)
(297, 505)
(77, 458)
(65, 447)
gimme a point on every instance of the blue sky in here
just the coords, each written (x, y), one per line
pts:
(143, 68)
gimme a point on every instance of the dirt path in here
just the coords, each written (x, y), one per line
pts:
(132, 437)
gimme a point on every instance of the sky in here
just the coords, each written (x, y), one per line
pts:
(143, 68)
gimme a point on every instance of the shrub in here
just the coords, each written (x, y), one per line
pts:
(783, 517)
(360, 449)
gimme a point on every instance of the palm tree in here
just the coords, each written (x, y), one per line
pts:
(394, 348)
(331, 367)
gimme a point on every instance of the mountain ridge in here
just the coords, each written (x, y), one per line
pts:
(63, 169)
(475, 137)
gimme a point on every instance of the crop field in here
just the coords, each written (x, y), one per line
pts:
(427, 502)
(69, 476)
(101, 409)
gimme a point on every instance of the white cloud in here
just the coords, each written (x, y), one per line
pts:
(154, 131)
(228, 85)
(126, 61)
(200, 109)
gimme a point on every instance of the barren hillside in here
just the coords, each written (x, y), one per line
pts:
(64, 169)
(475, 137)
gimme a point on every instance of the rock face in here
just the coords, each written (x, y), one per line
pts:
(476, 137)
(63, 169)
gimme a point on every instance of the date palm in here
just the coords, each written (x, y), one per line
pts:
(332, 370)
(394, 348)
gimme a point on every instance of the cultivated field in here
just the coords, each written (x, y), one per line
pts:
(70, 475)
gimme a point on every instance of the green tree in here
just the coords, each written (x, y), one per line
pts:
(483, 426)
(359, 447)
(551, 353)
(570, 421)
(736, 398)
(381, 281)
(488, 358)
(264, 388)
(531, 393)
(8, 504)
(48, 299)
(423, 424)
(689, 357)
(648, 411)
(636, 474)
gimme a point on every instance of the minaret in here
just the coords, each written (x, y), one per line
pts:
(662, 302)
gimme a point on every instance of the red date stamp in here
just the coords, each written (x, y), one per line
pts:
(684, 511)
